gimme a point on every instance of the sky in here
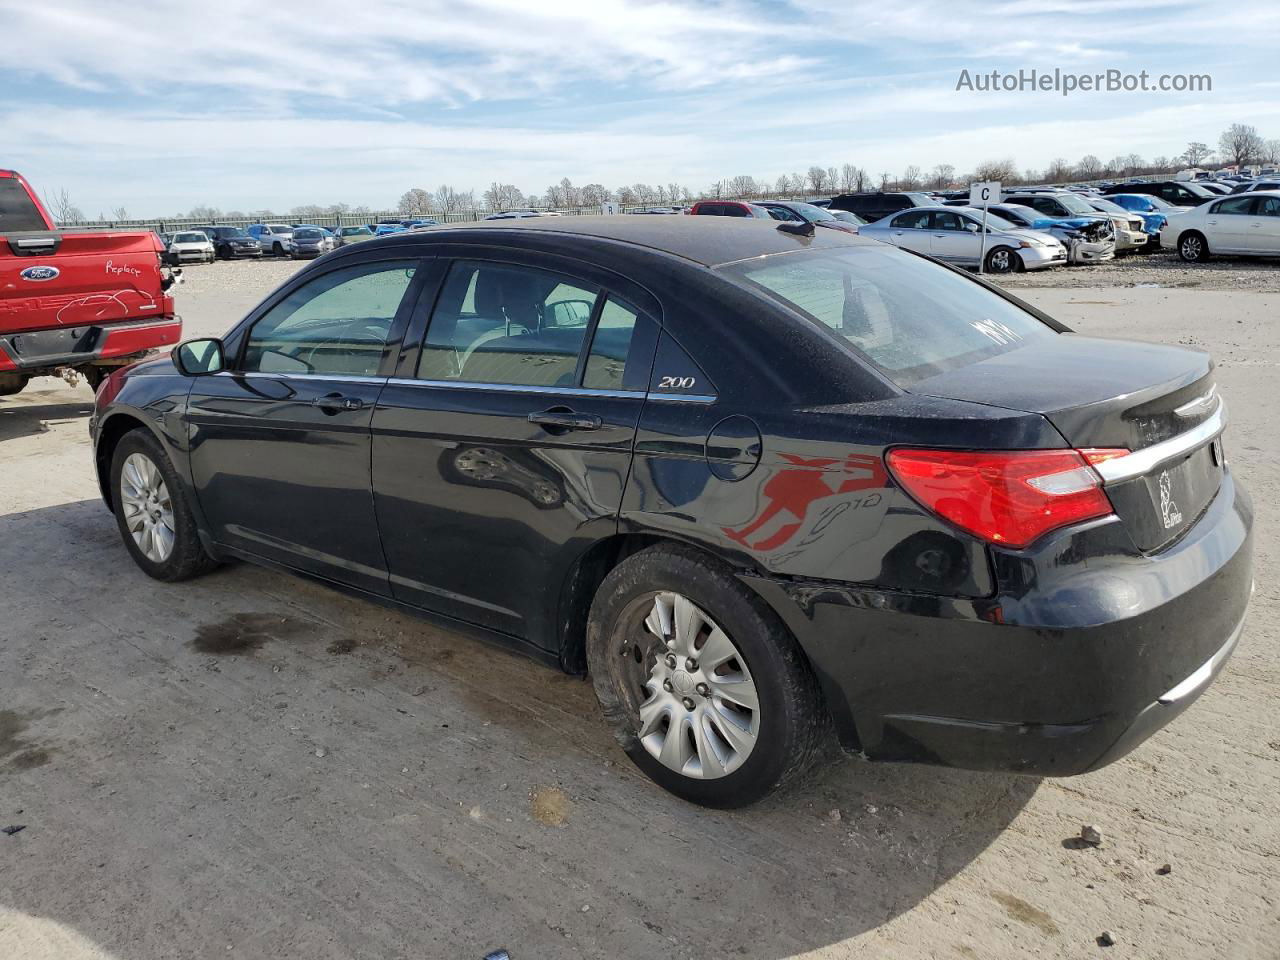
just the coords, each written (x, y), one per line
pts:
(251, 105)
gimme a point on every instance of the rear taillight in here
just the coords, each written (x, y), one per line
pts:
(1010, 498)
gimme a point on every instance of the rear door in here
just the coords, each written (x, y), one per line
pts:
(280, 442)
(502, 448)
(1268, 219)
(911, 230)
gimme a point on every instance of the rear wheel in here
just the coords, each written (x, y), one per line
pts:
(1002, 260)
(152, 512)
(277, 250)
(704, 687)
(1193, 247)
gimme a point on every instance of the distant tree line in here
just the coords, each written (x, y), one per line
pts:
(1239, 145)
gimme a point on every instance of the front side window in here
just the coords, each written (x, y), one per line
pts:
(336, 324)
(910, 318)
(505, 324)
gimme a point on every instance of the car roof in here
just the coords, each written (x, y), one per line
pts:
(706, 240)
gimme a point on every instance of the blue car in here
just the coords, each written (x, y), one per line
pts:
(382, 229)
(1153, 210)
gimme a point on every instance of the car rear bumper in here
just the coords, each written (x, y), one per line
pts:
(1074, 662)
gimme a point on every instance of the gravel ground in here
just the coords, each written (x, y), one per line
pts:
(249, 765)
(1162, 268)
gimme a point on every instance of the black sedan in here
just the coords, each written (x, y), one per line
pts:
(763, 482)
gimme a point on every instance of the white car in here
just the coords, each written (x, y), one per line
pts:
(1244, 223)
(954, 234)
(191, 246)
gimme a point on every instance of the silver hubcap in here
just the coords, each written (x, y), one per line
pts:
(702, 715)
(148, 510)
(1191, 248)
(1000, 261)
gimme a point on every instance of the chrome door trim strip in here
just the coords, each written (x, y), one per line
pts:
(517, 388)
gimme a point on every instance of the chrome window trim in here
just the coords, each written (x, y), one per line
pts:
(515, 388)
(270, 375)
(1143, 461)
(683, 397)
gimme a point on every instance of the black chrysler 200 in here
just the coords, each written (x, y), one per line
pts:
(760, 484)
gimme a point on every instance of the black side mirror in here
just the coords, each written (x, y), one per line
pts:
(198, 358)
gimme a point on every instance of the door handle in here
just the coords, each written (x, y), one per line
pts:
(562, 420)
(336, 402)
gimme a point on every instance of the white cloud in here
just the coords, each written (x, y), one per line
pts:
(247, 103)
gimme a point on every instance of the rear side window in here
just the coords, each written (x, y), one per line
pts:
(506, 324)
(1240, 206)
(910, 318)
(912, 221)
(610, 347)
(17, 212)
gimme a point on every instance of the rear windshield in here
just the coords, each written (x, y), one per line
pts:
(307, 233)
(191, 238)
(17, 212)
(910, 318)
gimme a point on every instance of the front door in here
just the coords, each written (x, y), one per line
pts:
(280, 441)
(503, 454)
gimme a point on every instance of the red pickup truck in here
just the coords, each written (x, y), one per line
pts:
(80, 300)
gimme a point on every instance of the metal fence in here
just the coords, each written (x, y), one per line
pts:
(331, 220)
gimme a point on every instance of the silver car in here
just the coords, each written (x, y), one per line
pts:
(954, 234)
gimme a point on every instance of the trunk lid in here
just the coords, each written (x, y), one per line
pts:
(1157, 401)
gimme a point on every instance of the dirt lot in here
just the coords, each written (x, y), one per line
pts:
(249, 765)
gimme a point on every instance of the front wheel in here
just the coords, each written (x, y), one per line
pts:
(1193, 248)
(706, 690)
(152, 512)
(277, 250)
(1002, 260)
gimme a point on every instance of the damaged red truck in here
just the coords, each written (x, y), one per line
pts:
(75, 300)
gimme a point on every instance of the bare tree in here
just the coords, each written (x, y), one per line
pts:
(119, 213)
(415, 202)
(1161, 164)
(1089, 167)
(795, 184)
(848, 177)
(61, 207)
(817, 178)
(943, 174)
(743, 186)
(833, 177)
(885, 178)
(910, 178)
(1197, 151)
(450, 200)
(1270, 151)
(204, 212)
(1240, 144)
(502, 196)
(1058, 170)
(1003, 170)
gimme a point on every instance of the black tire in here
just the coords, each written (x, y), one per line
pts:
(188, 557)
(794, 727)
(277, 250)
(1193, 247)
(1002, 260)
